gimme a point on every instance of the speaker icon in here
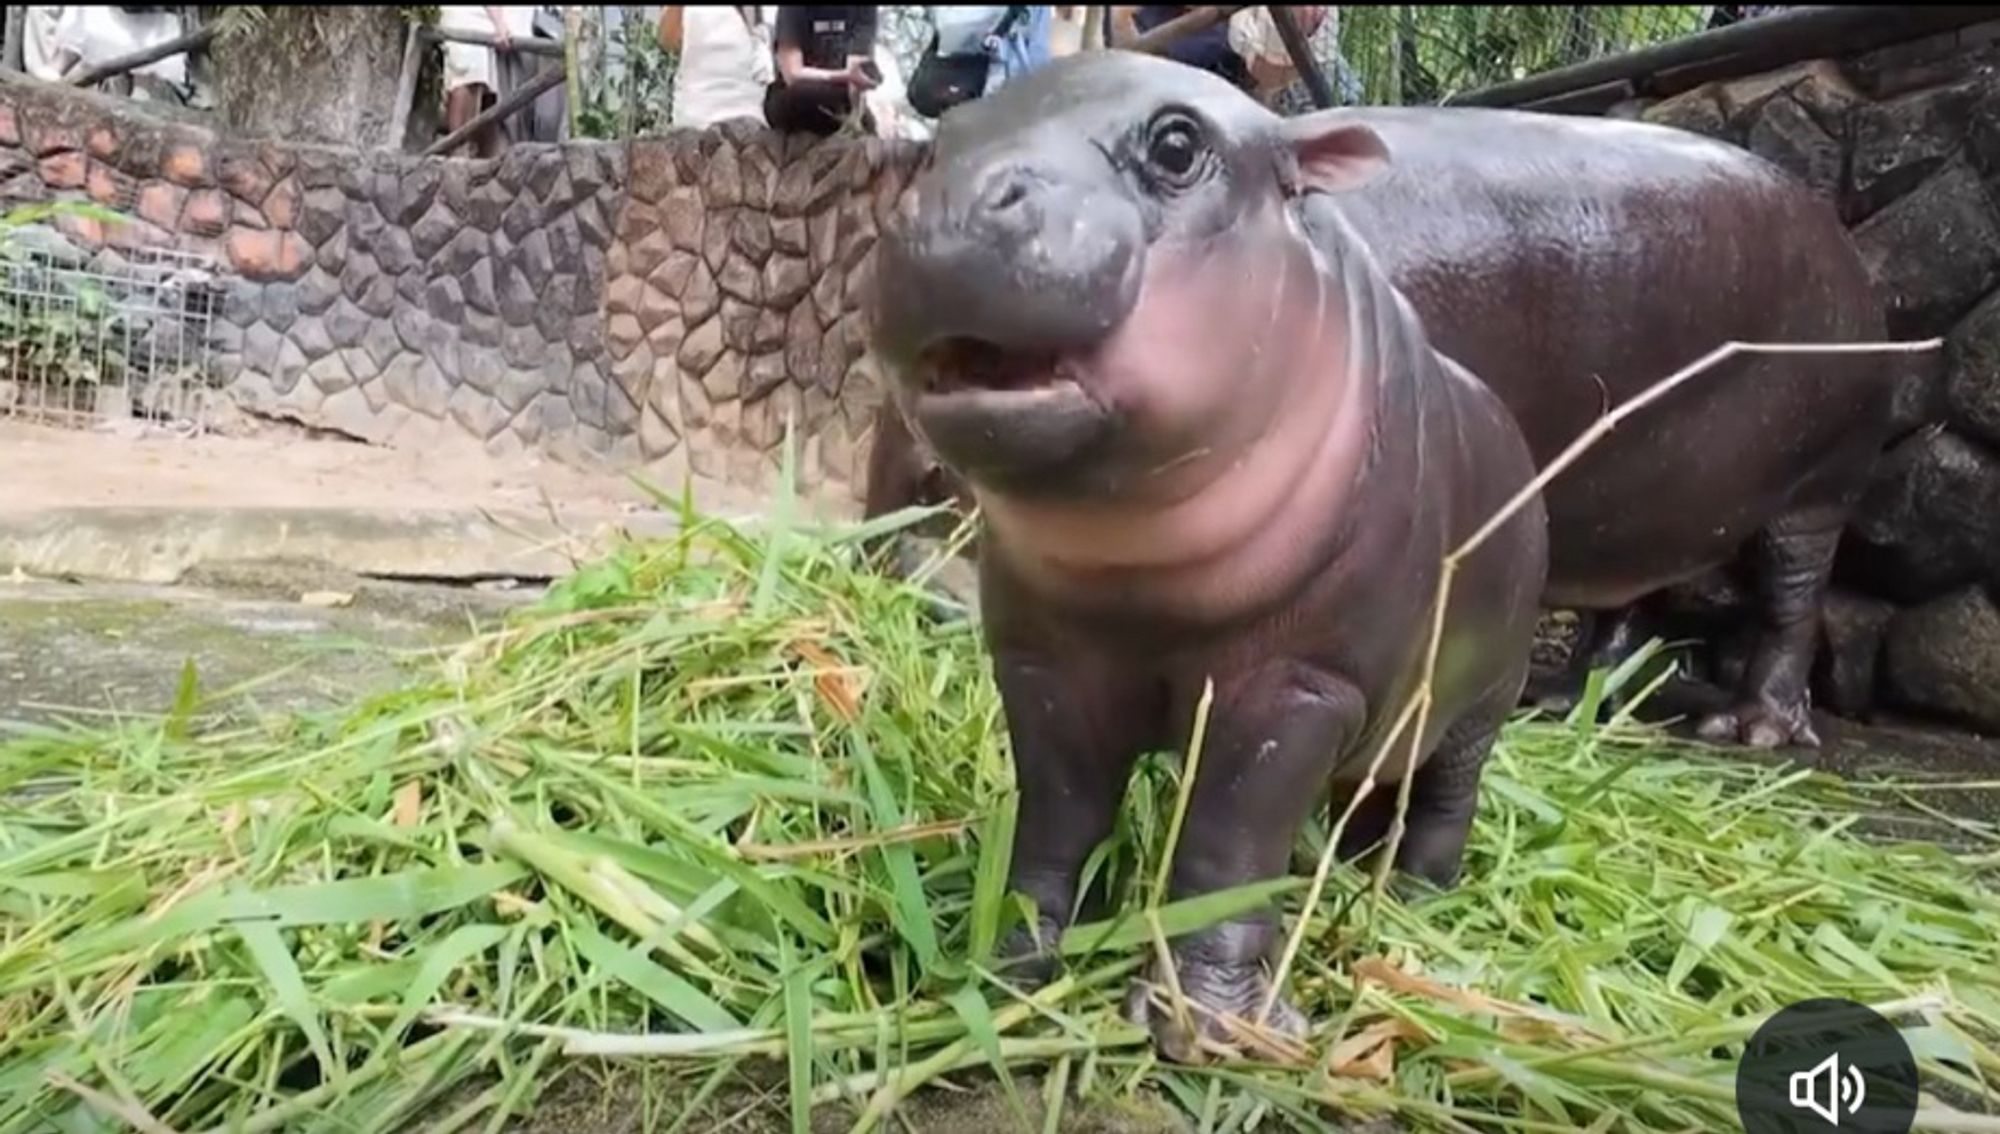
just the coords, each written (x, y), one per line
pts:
(1826, 1090)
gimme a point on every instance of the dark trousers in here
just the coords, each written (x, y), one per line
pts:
(814, 106)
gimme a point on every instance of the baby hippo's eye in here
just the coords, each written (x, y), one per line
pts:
(1174, 149)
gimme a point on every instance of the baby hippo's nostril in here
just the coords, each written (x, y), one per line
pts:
(1005, 189)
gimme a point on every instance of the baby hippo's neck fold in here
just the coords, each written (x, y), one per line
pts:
(1264, 518)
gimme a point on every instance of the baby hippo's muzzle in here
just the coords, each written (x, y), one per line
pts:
(995, 281)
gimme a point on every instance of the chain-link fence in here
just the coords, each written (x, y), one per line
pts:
(1407, 54)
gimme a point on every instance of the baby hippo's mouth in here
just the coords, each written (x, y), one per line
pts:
(1007, 418)
(962, 365)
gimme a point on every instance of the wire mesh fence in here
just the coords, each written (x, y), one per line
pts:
(1406, 54)
(107, 336)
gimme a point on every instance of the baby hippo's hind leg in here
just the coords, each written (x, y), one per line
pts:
(1793, 561)
(1444, 799)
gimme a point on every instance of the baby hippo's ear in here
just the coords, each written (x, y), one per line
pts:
(1325, 152)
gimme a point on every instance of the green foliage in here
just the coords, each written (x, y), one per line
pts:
(1408, 54)
(729, 806)
(56, 343)
(639, 102)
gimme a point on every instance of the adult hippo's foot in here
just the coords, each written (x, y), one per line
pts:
(1794, 560)
(1027, 957)
(1219, 1012)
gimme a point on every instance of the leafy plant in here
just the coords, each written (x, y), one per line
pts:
(637, 100)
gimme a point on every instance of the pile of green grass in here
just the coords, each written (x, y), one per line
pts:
(730, 806)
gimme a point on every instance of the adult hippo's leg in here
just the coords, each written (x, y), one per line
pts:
(1077, 728)
(1793, 563)
(1609, 638)
(1269, 752)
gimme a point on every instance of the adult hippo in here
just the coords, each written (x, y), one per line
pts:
(1573, 262)
(1210, 443)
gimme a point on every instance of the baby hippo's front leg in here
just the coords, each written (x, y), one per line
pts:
(1273, 740)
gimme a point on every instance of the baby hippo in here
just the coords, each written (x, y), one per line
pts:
(1210, 442)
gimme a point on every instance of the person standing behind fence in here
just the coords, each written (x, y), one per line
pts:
(824, 56)
(471, 78)
(1208, 49)
(724, 62)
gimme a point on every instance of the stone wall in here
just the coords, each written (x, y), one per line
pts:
(1906, 140)
(665, 305)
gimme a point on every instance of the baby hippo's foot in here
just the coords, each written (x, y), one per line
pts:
(1027, 958)
(1217, 1013)
(1762, 723)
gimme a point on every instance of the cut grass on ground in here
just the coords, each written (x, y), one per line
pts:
(743, 812)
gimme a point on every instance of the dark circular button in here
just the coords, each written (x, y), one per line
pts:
(1826, 1066)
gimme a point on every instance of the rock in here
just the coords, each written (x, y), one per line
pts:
(1972, 373)
(517, 298)
(333, 253)
(724, 380)
(583, 177)
(588, 396)
(291, 367)
(739, 278)
(702, 297)
(681, 216)
(394, 252)
(753, 235)
(739, 325)
(1933, 253)
(822, 240)
(1930, 520)
(786, 279)
(523, 346)
(700, 348)
(1944, 657)
(521, 218)
(1900, 142)
(517, 387)
(657, 436)
(1787, 136)
(158, 202)
(789, 236)
(346, 324)
(565, 243)
(480, 329)
(432, 232)
(760, 178)
(591, 227)
(1919, 393)
(267, 255)
(803, 343)
(417, 190)
(186, 166)
(260, 349)
(1696, 111)
(623, 332)
(430, 394)
(715, 238)
(558, 305)
(487, 208)
(1982, 135)
(475, 412)
(656, 308)
(765, 373)
(329, 374)
(828, 297)
(769, 331)
(322, 213)
(444, 301)
(478, 288)
(381, 342)
(547, 171)
(467, 246)
(205, 214)
(535, 260)
(243, 177)
(723, 186)
(647, 253)
(409, 324)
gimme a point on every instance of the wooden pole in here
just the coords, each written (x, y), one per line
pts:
(406, 86)
(1302, 56)
(16, 32)
(112, 68)
(573, 85)
(529, 44)
(545, 80)
(1180, 27)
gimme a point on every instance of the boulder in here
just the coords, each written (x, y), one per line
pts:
(1900, 142)
(1972, 373)
(1944, 658)
(1852, 628)
(1935, 252)
(1785, 135)
(1930, 520)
